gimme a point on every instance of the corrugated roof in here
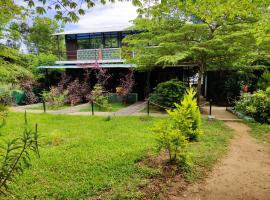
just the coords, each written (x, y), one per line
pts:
(99, 29)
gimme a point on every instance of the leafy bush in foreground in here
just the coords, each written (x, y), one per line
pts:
(168, 93)
(183, 126)
(170, 139)
(187, 117)
(255, 105)
(15, 155)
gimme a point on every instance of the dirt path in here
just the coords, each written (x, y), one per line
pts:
(243, 174)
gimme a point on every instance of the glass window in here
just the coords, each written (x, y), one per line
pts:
(111, 40)
(83, 41)
(96, 41)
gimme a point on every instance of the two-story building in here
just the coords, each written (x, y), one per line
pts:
(102, 45)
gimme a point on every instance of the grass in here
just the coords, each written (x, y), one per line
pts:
(213, 143)
(82, 156)
(153, 109)
(260, 132)
(114, 107)
(48, 107)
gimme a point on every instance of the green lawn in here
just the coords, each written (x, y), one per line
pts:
(153, 109)
(113, 108)
(260, 131)
(84, 156)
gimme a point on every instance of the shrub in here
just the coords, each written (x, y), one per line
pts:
(16, 155)
(99, 97)
(264, 81)
(54, 97)
(126, 85)
(75, 95)
(27, 87)
(186, 116)
(235, 83)
(255, 105)
(183, 126)
(170, 139)
(168, 93)
(6, 98)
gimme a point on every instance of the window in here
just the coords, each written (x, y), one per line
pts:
(83, 41)
(96, 41)
(111, 40)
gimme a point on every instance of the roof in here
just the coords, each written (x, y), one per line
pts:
(83, 66)
(99, 29)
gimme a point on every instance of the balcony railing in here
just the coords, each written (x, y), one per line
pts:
(92, 54)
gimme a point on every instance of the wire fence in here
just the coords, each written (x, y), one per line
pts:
(149, 102)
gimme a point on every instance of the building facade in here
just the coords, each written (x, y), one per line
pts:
(102, 47)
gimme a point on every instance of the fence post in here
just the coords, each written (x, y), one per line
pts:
(92, 105)
(44, 106)
(25, 118)
(148, 107)
(210, 107)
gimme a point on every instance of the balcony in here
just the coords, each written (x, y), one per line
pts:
(106, 55)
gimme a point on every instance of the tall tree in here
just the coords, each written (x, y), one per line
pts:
(203, 33)
(40, 39)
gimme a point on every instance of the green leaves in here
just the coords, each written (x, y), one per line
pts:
(15, 156)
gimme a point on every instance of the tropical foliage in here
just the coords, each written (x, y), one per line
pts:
(168, 93)
(196, 33)
(182, 127)
(264, 81)
(256, 105)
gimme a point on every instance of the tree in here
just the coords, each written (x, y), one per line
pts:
(40, 38)
(204, 33)
(67, 10)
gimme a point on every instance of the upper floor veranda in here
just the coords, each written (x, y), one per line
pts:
(89, 46)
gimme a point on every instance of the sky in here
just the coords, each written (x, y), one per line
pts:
(111, 14)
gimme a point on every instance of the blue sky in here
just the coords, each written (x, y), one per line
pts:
(110, 14)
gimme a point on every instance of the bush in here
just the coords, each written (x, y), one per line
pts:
(186, 116)
(235, 83)
(183, 126)
(255, 105)
(27, 87)
(75, 95)
(170, 139)
(54, 97)
(168, 93)
(264, 81)
(6, 98)
(99, 97)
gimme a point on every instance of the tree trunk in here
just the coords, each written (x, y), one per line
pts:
(199, 85)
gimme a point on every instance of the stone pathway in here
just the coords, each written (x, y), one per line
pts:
(220, 113)
(132, 109)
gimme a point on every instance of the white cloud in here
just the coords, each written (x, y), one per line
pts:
(108, 15)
